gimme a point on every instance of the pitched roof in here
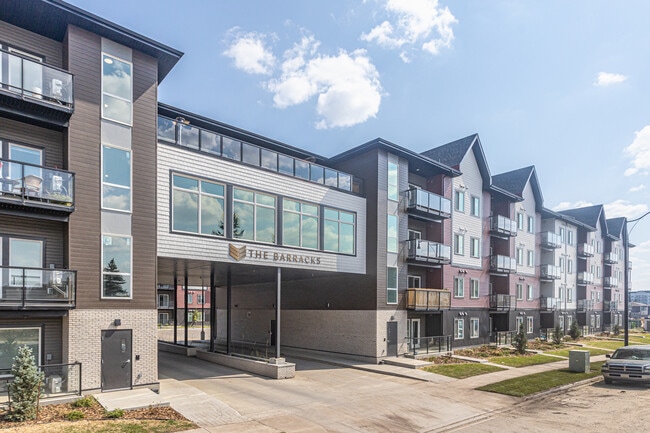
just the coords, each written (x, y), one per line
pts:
(615, 227)
(515, 182)
(589, 215)
(452, 153)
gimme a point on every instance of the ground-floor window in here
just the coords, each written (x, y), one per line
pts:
(597, 321)
(163, 318)
(391, 285)
(561, 319)
(459, 329)
(530, 324)
(474, 327)
(519, 322)
(13, 338)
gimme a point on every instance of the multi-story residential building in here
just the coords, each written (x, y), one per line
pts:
(641, 296)
(613, 281)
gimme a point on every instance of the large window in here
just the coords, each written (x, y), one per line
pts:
(475, 206)
(474, 327)
(253, 216)
(473, 288)
(197, 206)
(391, 285)
(116, 178)
(339, 231)
(520, 291)
(116, 89)
(459, 244)
(11, 339)
(299, 224)
(459, 287)
(391, 234)
(393, 181)
(25, 253)
(459, 200)
(474, 247)
(116, 266)
(459, 329)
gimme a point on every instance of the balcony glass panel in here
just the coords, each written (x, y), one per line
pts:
(550, 239)
(503, 263)
(210, 142)
(550, 271)
(428, 201)
(189, 136)
(269, 160)
(25, 287)
(35, 182)
(250, 154)
(166, 129)
(301, 169)
(331, 178)
(503, 225)
(285, 164)
(231, 148)
(316, 173)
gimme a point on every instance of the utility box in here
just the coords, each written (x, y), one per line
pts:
(579, 361)
(55, 384)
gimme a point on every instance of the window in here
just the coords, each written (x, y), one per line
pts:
(116, 89)
(562, 235)
(116, 266)
(459, 200)
(520, 256)
(299, 224)
(25, 74)
(459, 244)
(597, 321)
(475, 209)
(163, 301)
(531, 224)
(30, 337)
(391, 285)
(474, 247)
(26, 154)
(520, 221)
(197, 206)
(569, 321)
(459, 329)
(569, 235)
(530, 292)
(414, 234)
(473, 327)
(597, 271)
(414, 282)
(562, 264)
(520, 291)
(569, 295)
(391, 234)
(253, 216)
(593, 269)
(569, 266)
(393, 181)
(473, 288)
(519, 322)
(24, 253)
(190, 298)
(599, 248)
(200, 299)
(530, 325)
(163, 318)
(530, 258)
(339, 231)
(459, 287)
(116, 178)
(562, 293)
(561, 321)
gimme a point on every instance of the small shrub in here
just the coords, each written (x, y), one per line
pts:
(86, 401)
(617, 329)
(115, 413)
(520, 342)
(74, 415)
(557, 335)
(574, 331)
(25, 390)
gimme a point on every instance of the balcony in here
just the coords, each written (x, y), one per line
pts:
(585, 305)
(37, 289)
(427, 253)
(610, 306)
(502, 302)
(428, 299)
(586, 250)
(427, 205)
(549, 304)
(550, 240)
(35, 91)
(585, 278)
(611, 258)
(610, 282)
(35, 190)
(503, 264)
(502, 226)
(549, 272)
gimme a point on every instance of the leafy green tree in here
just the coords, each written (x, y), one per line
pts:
(25, 390)
(114, 284)
(574, 331)
(520, 342)
(557, 335)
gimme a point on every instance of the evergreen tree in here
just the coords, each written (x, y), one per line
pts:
(574, 331)
(520, 341)
(25, 390)
(113, 284)
(557, 334)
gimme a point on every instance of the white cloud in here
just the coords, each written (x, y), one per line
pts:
(422, 23)
(251, 54)
(568, 205)
(623, 208)
(637, 188)
(640, 258)
(608, 78)
(347, 85)
(639, 151)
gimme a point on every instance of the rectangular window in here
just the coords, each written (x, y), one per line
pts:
(562, 238)
(530, 323)
(561, 320)
(116, 266)
(414, 234)
(231, 149)
(190, 298)
(116, 178)
(253, 216)
(569, 266)
(569, 236)
(459, 244)
(597, 321)
(459, 329)
(414, 282)
(299, 224)
(475, 209)
(339, 231)
(117, 95)
(520, 256)
(391, 234)
(163, 301)
(562, 293)
(569, 295)
(474, 247)
(473, 288)
(391, 285)
(520, 221)
(569, 321)
(459, 200)
(393, 181)
(597, 271)
(459, 287)
(530, 259)
(562, 264)
(200, 299)
(24, 254)
(198, 206)
(599, 248)
(531, 224)
(520, 291)
(519, 322)
(530, 292)
(11, 339)
(474, 327)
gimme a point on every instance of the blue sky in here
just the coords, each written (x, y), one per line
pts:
(561, 85)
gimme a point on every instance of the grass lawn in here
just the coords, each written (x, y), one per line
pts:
(565, 352)
(523, 361)
(531, 384)
(603, 344)
(461, 371)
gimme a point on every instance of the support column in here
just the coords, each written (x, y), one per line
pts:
(626, 284)
(278, 299)
(229, 311)
(213, 310)
(175, 309)
(187, 308)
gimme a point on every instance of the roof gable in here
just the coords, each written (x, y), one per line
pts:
(515, 182)
(453, 153)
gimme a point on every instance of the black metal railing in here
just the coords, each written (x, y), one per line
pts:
(59, 379)
(501, 302)
(503, 226)
(428, 251)
(20, 180)
(585, 305)
(503, 338)
(428, 202)
(427, 299)
(24, 288)
(427, 345)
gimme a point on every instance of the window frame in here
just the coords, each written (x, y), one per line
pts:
(339, 223)
(475, 206)
(301, 215)
(530, 292)
(392, 290)
(530, 324)
(520, 221)
(530, 258)
(474, 327)
(459, 244)
(392, 244)
(103, 176)
(519, 256)
(519, 287)
(129, 101)
(474, 288)
(200, 193)
(128, 274)
(459, 200)
(392, 192)
(459, 287)
(459, 328)
(531, 224)
(254, 203)
(474, 247)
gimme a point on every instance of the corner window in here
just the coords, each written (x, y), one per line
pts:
(393, 181)
(474, 327)
(459, 244)
(116, 178)
(116, 266)
(339, 231)
(459, 287)
(117, 95)
(459, 329)
(459, 200)
(474, 288)
(475, 209)
(391, 285)
(197, 206)
(253, 216)
(391, 234)
(299, 224)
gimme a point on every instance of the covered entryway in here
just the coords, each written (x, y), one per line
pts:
(116, 359)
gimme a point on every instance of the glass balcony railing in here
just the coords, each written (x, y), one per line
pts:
(611, 258)
(185, 135)
(585, 278)
(428, 203)
(610, 306)
(503, 264)
(503, 226)
(26, 288)
(585, 305)
(427, 299)
(550, 272)
(29, 182)
(550, 240)
(549, 304)
(35, 80)
(586, 250)
(503, 302)
(610, 282)
(427, 251)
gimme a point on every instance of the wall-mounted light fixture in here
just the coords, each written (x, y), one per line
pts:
(182, 120)
(117, 322)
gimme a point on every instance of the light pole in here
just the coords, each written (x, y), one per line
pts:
(202, 311)
(626, 276)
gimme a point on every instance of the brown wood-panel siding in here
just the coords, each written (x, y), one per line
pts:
(51, 141)
(25, 40)
(51, 333)
(83, 49)
(50, 231)
(145, 73)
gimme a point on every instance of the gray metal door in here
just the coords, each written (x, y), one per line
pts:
(116, 359)
(391, 339)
